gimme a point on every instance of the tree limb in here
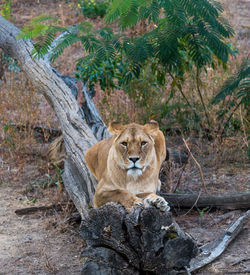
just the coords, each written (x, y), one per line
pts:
(228, 201)
(78, 137)
(34, 209)
(197, 164)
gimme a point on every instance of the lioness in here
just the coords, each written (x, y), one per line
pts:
(127, 165)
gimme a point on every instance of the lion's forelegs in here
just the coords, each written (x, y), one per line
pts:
(153, 199)
(121, 196)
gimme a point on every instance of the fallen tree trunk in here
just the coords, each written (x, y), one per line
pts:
(77, 135)
(227, 201)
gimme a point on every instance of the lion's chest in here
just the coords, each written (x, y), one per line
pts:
(140, 187)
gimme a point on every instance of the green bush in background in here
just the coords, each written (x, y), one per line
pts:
(93, 8)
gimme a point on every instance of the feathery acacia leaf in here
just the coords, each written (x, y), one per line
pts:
(65, 41)
(239, 81)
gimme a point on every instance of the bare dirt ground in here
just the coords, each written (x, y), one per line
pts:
(41, 243)
(45, 243)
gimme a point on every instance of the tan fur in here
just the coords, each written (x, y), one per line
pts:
(109, 162)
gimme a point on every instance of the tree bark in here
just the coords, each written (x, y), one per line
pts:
(144, 241)
(78, 136)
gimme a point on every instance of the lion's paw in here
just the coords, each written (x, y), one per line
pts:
(158, 202)
(138, 202)
(132, 203)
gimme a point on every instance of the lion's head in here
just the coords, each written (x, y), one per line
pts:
(134, 146)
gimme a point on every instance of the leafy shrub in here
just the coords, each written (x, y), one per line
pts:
(105, 74)
(238, 85)
(235, 94)
(175, 39)
(93, 8)
(5, 9)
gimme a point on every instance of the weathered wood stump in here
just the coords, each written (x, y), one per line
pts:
(144, 241)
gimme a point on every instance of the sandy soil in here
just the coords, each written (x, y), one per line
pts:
(41, 243)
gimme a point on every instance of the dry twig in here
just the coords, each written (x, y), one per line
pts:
(193, 204)
(197, 164)
(179, 179)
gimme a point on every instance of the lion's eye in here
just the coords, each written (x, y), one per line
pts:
(143, 143)
(124, 143)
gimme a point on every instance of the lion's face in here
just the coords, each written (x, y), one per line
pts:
(133, 147)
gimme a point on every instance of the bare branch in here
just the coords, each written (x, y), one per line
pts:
(197, 164)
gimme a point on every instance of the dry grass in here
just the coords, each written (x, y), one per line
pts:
(21, 107)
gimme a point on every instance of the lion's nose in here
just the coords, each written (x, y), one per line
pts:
(134, 159)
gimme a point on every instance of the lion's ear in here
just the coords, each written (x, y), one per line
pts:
(115, 127)
(152, 127)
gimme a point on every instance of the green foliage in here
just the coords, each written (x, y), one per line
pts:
(105, 74)
(103, 64)
(6, 10)
(50, 180)
(55, 179)
(238, 85)
(6, 62)
(175, 37)
(202, 211)
(183, 34)
(37, 28)
(235, 93)
(93, 8)
(193, 27)
(43, 34)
